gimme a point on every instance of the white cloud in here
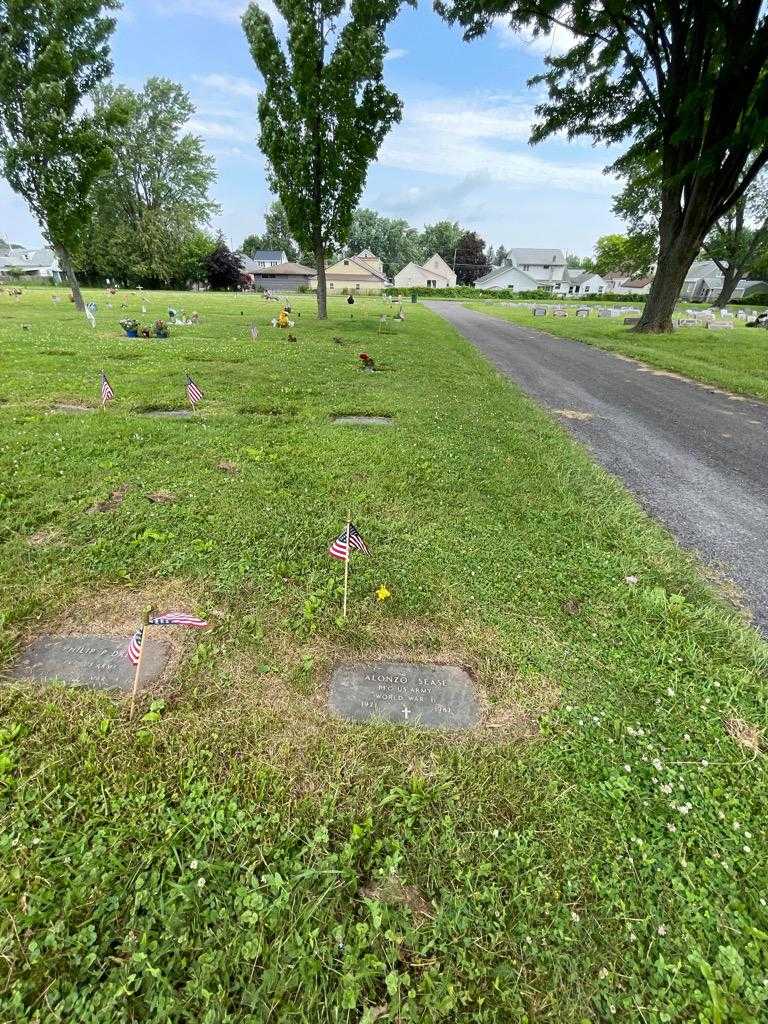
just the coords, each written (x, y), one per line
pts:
(210, 129)
(475, 138)
(549, 44)
(220, 10)
(232, 85)
(396, 54)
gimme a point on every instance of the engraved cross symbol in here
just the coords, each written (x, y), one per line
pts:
(406, 712)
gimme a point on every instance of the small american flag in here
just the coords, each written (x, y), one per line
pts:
(166, 619)
(194, 394)
(178, 619)
(348, 538)
(134, 646)
(107, 394)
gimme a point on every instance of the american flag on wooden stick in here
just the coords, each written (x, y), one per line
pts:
(348, 538)
(107, 394)
(194, 394)
(166, 619)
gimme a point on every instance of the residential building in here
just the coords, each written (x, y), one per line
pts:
(508, 278)
(704, 281)
(432, 273)
(566, 280)
(283, 277)
(547, 267)
(262, 258)
(582, 282)
(362, 273)
(16, 261)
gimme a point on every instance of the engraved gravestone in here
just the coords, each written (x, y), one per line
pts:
(173, 414)
(97, 661)
(539, 311)
(430, 696)
(630, 321)
(720, 325)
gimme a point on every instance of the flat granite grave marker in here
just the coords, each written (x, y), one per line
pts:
(430, 696)
(719, 325)
(539, 311)
(630, 321)
(97, 661)
(173, 414)
(364, 421)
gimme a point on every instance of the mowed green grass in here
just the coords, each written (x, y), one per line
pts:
(736, 360)
(595, 852)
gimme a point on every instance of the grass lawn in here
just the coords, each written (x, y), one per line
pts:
(736, 360)
(595, 851)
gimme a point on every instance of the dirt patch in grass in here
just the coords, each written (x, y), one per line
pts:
(114, 501)
(395, 892)
(744, 734)
(44, 538)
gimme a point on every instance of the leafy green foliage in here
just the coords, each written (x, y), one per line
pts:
(223, 268)
(683, 81)
(151, 208)
(52, 149)
(392, 239)
(441, 238)
(323, 115)
(471, 261)
(624, 254)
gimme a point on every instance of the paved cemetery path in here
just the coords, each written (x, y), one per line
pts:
(695, 457)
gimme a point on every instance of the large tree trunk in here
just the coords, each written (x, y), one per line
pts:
(730, 279)
(679, 246)
(69, 272)
(322, 298)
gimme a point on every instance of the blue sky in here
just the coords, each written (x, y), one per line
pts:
(461, 151)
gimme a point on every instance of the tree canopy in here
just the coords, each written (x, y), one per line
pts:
(223, 268)
(393, 240)
(152, 208)
(53, 147)
(680, 81)
(324, 111)
(471, 260)
(624, 254)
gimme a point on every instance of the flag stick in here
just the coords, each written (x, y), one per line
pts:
(346, 566)
(101, 386)
(135, 689)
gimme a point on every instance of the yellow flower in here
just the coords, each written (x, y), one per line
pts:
(382, 593)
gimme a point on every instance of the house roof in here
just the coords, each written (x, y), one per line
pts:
(538, 256)
(498, 272)
(295, 269)
(360, 264)
(638, 282)
(585, 275)
(35, 259)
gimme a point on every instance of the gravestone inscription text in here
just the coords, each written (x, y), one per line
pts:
(431, 696)
(97, 661)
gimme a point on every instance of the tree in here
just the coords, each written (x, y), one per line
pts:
(223, 268)
(441, 238)
(393, 240)
(735, 244)
(471, 261)
(502, 256)
(52, 148)
(623, 254)
(491, 257)
(323, 114)
(683, 79)
(155, 200)
(277, 234)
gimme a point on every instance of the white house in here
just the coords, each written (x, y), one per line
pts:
(509, 278)
(432, 273)
(704, 281)
(17, 261)
(262, 258)
(547, 267)
(581, 282)
(361, 273)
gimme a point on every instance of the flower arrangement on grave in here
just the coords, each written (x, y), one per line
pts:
(145, 332)
(368, 362)
(161, 329)
(130, 326)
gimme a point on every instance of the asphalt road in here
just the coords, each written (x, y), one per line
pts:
(695, 457)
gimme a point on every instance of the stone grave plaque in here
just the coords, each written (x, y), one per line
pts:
(688, 323)
(539, 311)
(72, 407)
(174, 414)
(630, 321)
(100, 661)
(559, 312)
(582, 311)
(430, 696)
(363, 421)
(719, 325)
